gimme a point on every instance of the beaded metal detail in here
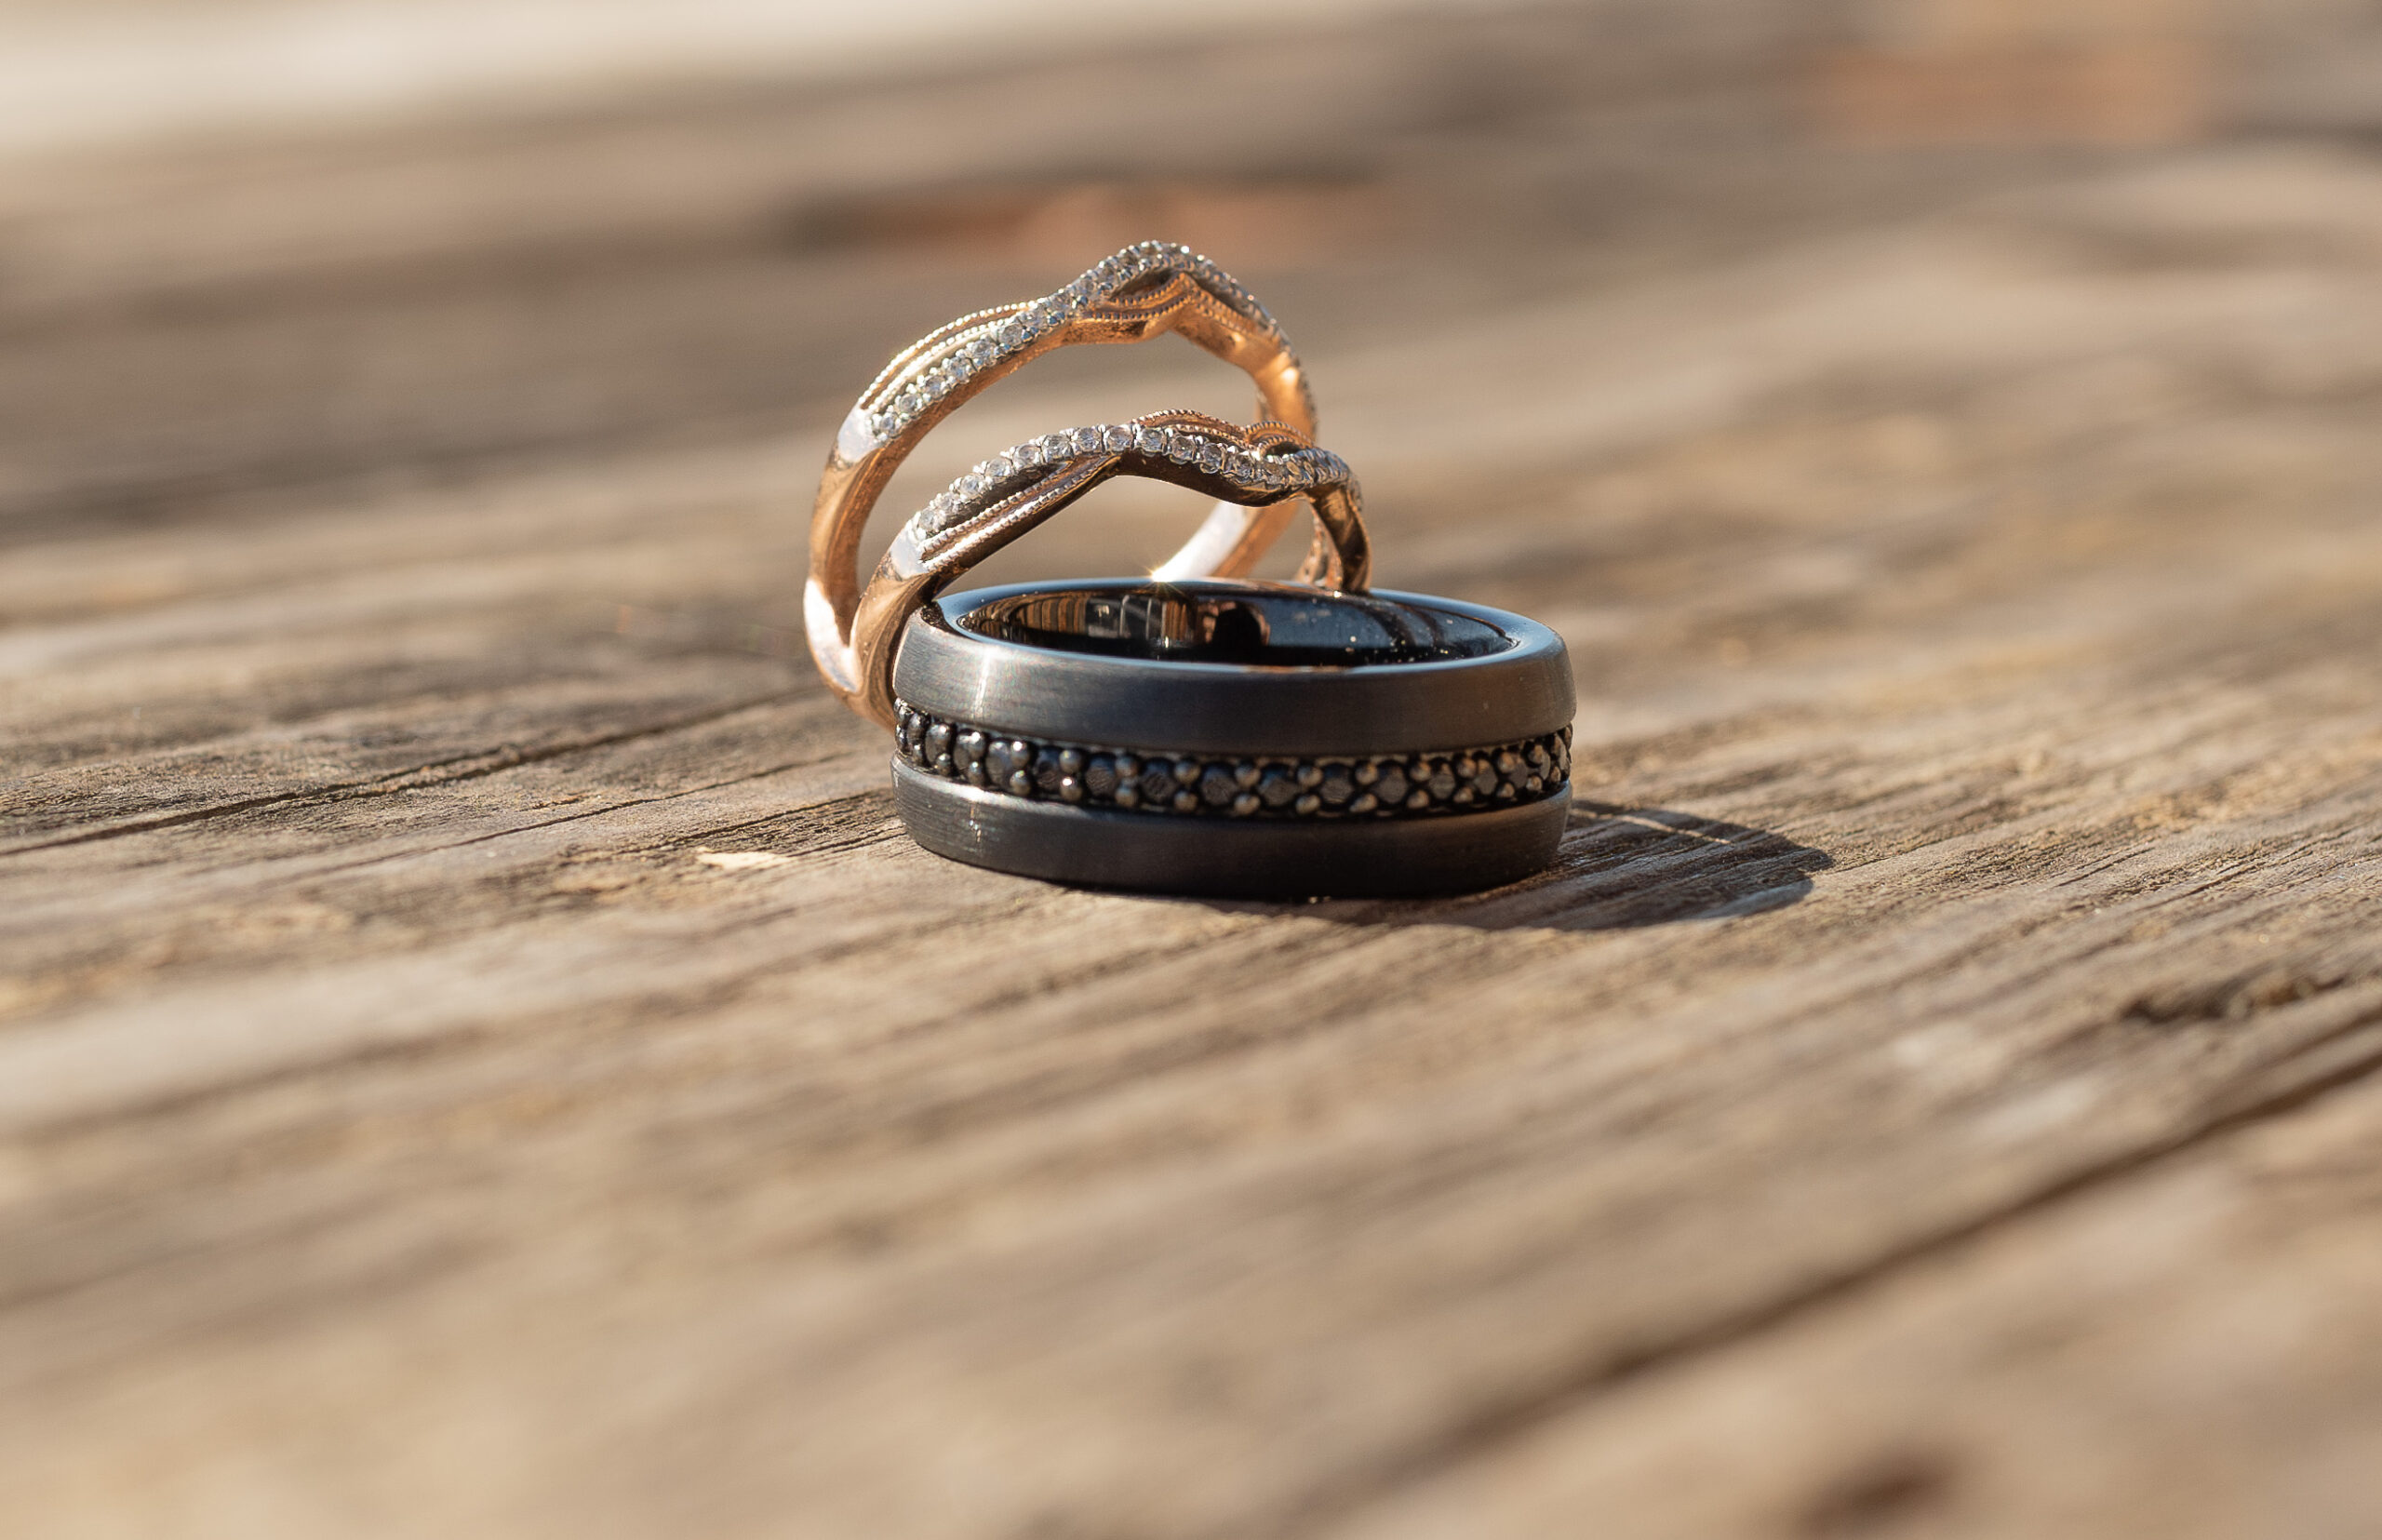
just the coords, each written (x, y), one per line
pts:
(1256, 786)
(944, 363)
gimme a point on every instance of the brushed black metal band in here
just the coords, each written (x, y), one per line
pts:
(1234, 738)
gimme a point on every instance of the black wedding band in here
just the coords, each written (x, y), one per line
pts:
(1233, 738)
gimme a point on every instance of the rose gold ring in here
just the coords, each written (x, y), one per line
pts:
(1265, 469)
(1142, 291)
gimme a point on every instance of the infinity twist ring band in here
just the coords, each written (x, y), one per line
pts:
(1146, 289)
(1263, 468)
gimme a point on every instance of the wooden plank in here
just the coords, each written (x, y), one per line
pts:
(476, 1055)
(2189, 1352)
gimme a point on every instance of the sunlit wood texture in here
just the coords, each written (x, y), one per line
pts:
(476, 1057)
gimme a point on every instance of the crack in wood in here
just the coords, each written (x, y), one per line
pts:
(436, 772)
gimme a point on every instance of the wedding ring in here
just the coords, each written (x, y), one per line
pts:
(1239, 739)
(1142, 291)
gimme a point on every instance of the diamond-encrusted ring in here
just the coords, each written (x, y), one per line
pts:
(1142, 291)
(1263, 466)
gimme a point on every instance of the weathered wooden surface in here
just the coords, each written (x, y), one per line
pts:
(478, 1058)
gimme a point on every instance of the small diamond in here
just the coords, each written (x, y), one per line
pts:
(1211, 456)
(996, 469)
(907, 402)
(1077, 294)
(1011, 336)
(1026, 456)
(1150, 441)
(969, 487)
(1057, 446)
(1183, 447)
(980, 352)
(1088, 440)
(1118, 440)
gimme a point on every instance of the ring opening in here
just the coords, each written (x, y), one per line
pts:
(1252, 627)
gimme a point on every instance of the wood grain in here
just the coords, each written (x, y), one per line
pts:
(478, 1056)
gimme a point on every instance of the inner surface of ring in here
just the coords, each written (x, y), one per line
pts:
(1246, 626)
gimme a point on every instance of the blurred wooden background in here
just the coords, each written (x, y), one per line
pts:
(478, 1058)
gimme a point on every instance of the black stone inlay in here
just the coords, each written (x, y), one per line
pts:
(1374, 786)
